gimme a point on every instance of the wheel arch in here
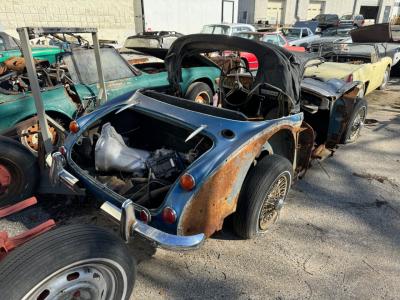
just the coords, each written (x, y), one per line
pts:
(205, 80)
(282, 143)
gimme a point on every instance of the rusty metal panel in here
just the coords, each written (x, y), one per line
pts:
(206, 211)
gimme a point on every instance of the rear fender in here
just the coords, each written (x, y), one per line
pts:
(218, 196)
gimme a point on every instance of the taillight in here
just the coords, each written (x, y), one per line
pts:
(144, 216)
(73, 127)
(169, 215)
(349, 78)
(187, 182)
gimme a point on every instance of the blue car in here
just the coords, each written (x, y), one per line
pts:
(173, 170)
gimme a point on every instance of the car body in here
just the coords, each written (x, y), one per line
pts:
(276, 38)
(230, 142)
(76, 93)
(331, 35)
(299, 36)
(326, 21)
(353, 62)
(352, 20)
(9, 47)
(148, 39)
(227, 28)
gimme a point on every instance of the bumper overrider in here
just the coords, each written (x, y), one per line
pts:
(125, 215)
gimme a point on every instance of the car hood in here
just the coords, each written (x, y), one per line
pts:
(333, 88)
(277, 66)
(329, 70)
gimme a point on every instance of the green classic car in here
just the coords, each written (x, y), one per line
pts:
(9, 47)
(70, 87)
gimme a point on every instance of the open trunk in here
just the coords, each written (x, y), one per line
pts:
(137, 155)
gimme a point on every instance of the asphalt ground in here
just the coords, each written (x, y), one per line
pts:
(338, 235)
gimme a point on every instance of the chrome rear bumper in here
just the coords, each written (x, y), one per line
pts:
(126, 215)
(129, 225)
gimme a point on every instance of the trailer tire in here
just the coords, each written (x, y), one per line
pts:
(20, 166)
(199, 92)
(258, 207)
(69, 261)
(356, 121)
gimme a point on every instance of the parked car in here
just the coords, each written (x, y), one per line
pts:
(326, 21)
(227, 28)
(353, 62)
(70, 88)
(352, 20)
(206, 162)
(10, 47)
(249, 59)
(149, 39)
(299, 36)
(331, 35)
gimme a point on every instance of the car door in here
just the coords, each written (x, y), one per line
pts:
(378, 69)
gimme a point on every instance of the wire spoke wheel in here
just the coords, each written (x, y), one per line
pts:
(81, 281)
(273, 203)
(358, 123)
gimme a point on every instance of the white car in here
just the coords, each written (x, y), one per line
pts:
(227, 28)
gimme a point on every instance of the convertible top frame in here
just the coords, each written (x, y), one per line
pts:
(27, 33)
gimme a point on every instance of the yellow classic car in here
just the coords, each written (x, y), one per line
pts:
(353, 62)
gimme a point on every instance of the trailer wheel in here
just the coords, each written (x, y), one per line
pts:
(356, 121)
(70, 262)
(262, 196)
(199, 92)
(19, 172)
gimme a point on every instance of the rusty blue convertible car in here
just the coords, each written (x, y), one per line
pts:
(177, 169)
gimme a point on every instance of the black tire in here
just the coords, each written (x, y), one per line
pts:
(356, 122)
(258, 184)
(200, 92)
(22, 165)
(74, 255)
(385, 80)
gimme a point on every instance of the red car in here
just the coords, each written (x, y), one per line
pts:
(249, 60)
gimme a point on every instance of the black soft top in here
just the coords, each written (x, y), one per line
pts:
(276, 65)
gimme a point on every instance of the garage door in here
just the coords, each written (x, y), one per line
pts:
(275, 11)
(315, 8)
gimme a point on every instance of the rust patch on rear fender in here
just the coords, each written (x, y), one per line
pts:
(217, 198)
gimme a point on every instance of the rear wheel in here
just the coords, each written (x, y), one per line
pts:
(70, 262)
(199, 92)
(385, 80)
(356, 122)
(262, 196)
(19, 172)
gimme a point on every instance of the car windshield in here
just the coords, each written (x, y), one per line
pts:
(81, 64)
(343, 32)
(249, 35)
(215, 29)
(349, 49)
(291, 32)
(142, 42)
(347, 17)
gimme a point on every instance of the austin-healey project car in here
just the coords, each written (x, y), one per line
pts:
(184, 167)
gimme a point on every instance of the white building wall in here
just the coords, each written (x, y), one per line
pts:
(297, 9)
(186, 16)
(114, 19)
